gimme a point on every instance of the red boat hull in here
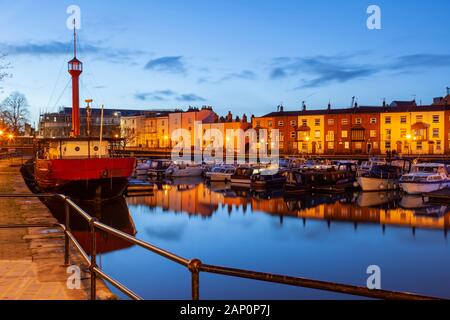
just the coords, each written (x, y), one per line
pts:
(84, 178)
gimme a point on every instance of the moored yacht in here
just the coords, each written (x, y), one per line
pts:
(243, 176)
(184, 169)
(425, 177)
(383, 177)
(221, 174)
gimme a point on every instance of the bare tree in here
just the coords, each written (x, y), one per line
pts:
(14, 112)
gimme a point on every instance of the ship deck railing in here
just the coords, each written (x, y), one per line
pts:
(194, 266)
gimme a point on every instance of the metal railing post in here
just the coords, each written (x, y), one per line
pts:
(66, 238)
(93, 260)
(194, 268)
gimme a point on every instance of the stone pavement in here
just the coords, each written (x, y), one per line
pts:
(31, 259)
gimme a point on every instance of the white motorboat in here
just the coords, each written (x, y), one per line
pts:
(384, 177)
(184, 169)
(366, 166)
(424, 178)
(221, 174)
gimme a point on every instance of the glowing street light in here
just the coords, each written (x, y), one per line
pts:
(307, 138)
(1, 132)
(408, 136)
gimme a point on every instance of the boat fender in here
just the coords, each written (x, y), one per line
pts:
(105, 173)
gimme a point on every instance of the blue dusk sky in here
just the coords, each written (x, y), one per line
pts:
(246, 56)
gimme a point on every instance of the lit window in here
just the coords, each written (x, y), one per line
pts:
(358, 121)
(438, 145)
(330, 136)
(373, 133)
(388, 134)
(344, 134)
(403, 133)
(269, 123)
(358, 145)
(330, 145)
(347, 145)
(317, 134)
(344, 121)
(317, 122)
(331, 122)
(373, 120)
(387, 120)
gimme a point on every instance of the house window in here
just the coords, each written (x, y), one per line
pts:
(293, 123)
(436, 133)
(435, 119)
(388, 134)
(403, 133)
(331, 145)
(304, 146)
(358, 146)
(344, 134)
(373, 133)
(347, 145)
(258, 123)
(304, 122)
(330, 136)
(357, 135)
(317, 122)
(387, 120)
(419, 145)
(403, 119)
(280, 123)
(317, 134)
(331, 122)
(387, 145)
(269, 123)
(419, 118)
(358, 121)
(281, 136)
(344, 121)
(373, 120)
(293, 134)
(375, 145)
(438, 145)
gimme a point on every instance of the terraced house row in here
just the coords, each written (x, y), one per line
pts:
(402, 127)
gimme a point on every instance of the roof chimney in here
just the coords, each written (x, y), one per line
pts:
(448, 91)
(281, 108)
(229, 116)
(303, 106)
(353, 101)
(384, 102)
(329, 105)
(244, 118)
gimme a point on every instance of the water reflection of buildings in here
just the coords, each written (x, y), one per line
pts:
(378, 208)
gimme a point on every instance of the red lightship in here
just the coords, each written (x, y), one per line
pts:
(81, 167)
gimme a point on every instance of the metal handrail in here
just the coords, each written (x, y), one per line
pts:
(195, 266)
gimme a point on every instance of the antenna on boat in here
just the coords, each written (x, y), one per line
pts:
(88, 117)
(101, 132)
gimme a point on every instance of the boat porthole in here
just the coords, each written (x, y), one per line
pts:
(77, 149)
(95, 148)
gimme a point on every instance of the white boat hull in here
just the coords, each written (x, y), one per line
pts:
(376, 184)
(419, 188)
(241, 182)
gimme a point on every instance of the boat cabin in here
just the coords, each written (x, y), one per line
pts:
(58, 149)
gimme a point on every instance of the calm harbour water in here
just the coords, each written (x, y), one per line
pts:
(324, 237)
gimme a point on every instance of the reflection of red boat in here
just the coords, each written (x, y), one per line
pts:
(77, 166)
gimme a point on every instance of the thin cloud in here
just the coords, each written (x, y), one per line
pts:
(170, 64)
(243, 75)
(158, 95)
(190, 98)
(319, 71)
(54, 48)
(166, 95)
